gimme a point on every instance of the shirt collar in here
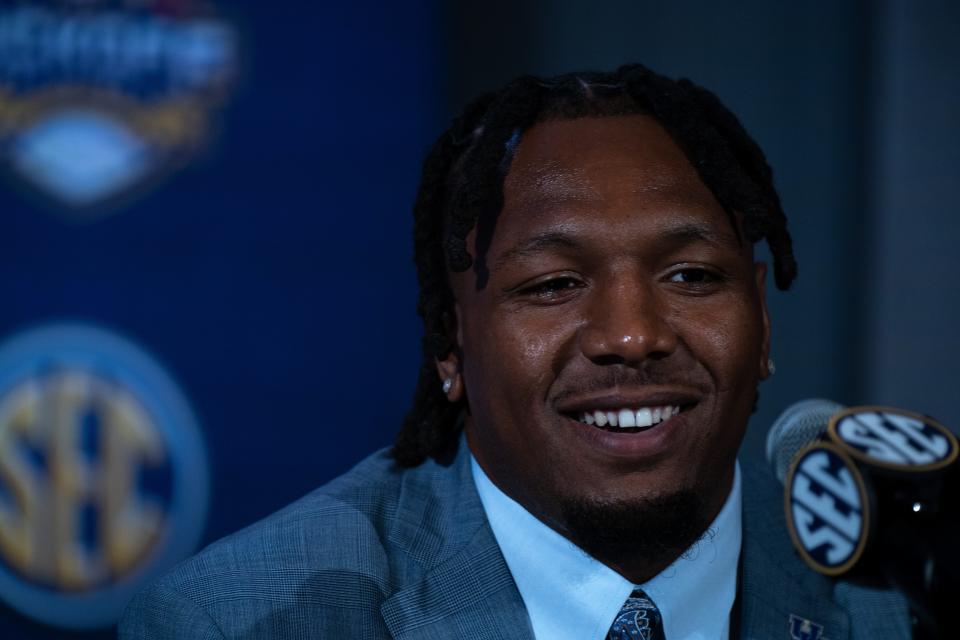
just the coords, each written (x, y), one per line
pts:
(570, 595)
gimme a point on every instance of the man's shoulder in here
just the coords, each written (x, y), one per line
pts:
(324, 529)
(324, 561)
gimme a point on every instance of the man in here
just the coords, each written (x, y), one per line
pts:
(595, 334)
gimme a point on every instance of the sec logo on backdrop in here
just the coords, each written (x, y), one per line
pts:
(103, 474)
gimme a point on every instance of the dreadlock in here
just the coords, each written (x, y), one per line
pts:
(462, 184)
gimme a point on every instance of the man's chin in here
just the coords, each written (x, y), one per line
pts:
(636, 536)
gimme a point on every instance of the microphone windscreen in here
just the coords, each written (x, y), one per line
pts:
(799, 425)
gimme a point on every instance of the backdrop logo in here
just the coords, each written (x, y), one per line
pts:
(99, 97)
(103, 479)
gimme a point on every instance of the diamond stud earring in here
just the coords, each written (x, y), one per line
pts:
(447, 384)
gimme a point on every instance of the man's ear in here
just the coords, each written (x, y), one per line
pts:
(760, 273)
(450, 367)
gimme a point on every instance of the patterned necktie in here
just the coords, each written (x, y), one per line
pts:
(639, 619)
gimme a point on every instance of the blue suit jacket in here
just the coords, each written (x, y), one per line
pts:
(386, 552)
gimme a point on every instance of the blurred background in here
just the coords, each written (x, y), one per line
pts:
(208, 297)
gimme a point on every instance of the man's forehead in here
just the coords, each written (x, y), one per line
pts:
(572, 179)
(550, 181)
(557, 182)
(591, 159)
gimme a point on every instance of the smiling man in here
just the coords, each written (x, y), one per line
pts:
(611, 360)
(595, 335)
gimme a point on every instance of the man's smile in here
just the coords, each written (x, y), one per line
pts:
(628, 411)
(624, 419)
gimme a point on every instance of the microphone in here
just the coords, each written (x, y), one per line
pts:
(798, 426)
(872, 492)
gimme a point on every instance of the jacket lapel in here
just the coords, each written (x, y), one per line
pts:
(472, 595)
(460, 586)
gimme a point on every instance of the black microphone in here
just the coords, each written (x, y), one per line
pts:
(871, 493)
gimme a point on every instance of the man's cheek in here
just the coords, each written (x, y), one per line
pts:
(534, 349)
(520, 341)
(721, 339)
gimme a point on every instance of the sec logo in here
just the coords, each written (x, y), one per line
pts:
(894, 439)
(103, 474)
(827, 509)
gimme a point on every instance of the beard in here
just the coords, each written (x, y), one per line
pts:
(643, 536)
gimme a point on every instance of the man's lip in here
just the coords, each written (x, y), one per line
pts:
(613, 400)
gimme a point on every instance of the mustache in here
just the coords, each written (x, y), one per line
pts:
(624, 377)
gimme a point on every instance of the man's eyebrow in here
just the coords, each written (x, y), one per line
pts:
(692, 232)
(537, 244)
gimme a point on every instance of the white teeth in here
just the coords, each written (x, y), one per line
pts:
(644, 417)
(627, 418)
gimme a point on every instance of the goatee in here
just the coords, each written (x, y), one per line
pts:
(641, 536)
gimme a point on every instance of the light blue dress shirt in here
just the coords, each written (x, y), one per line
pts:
(571, 596)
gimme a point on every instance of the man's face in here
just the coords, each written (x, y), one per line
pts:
(617, 285)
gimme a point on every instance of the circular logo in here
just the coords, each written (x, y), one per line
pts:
(827, 509)
(893, 438)
(103, 475)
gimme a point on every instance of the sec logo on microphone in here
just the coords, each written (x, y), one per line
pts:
(103, 474)
(827, 509)
(893, 438)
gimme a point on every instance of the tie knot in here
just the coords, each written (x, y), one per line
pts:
(639, 619)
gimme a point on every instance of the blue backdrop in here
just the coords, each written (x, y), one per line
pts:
(207, 294)
(270, 274)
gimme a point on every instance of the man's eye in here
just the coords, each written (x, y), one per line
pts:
(553, 288)
(695, 276)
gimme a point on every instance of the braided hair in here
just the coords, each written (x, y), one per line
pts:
(463, 180)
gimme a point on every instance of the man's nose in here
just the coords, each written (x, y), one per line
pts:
(627, 324)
